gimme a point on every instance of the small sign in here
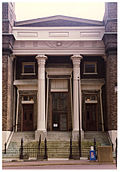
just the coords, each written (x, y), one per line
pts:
(92, 155)
(55, 125)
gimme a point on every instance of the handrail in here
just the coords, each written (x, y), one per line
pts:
(21, 149)
(116, 152)
(45, 155)
(38, 154)
(70, 156)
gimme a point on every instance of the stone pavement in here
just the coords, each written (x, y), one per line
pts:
(57, 164)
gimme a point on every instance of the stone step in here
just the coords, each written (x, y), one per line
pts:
(58, 144)
(101, 137)
(58, 136)
(27, 136)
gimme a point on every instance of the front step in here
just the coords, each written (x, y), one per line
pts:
(61, 149)
(58, 144)
(58, 136)
(27, 136)
(55, 149)
(14, 146)
(101, 137)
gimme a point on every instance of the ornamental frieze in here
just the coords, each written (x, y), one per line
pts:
(58, 45)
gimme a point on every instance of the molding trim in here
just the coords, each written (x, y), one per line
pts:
(59, 33)
(59, 71)
(92, 84)
(59, 47)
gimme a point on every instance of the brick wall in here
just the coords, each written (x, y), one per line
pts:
(8, 18)
(110, 41)
(111, 81)
(4, 91)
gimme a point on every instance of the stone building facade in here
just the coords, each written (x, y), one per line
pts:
(59, 74)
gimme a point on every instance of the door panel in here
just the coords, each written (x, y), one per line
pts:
(27, 117)
(91, 117)
(55, 121)
(59, 111)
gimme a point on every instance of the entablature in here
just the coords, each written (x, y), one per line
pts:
(59, 33)
(59, 47)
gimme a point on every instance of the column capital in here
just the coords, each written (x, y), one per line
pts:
(12, 57)
(41, 58)
(76, 58)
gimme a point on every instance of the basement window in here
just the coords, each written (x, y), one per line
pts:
(28, 68)
(90, 67)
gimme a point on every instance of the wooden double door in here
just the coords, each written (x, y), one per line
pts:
(59, 111)
(91, 117)
(27, 124)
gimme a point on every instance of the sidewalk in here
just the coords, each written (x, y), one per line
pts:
(53, 162)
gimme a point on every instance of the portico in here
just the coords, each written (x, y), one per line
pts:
(62, 77)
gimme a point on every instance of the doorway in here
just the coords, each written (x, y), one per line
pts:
(91, 117)
(27, 117)
(59, 111)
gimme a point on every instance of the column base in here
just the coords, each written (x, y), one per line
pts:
(42, 133)
(75, 135)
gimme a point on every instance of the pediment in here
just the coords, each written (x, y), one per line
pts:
(58, 21)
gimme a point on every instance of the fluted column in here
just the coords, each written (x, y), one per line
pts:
(76, 59)
(41, 93)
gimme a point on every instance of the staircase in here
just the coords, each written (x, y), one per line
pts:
(58, 144)
(58, 136)
(14, 146)
(101, 137)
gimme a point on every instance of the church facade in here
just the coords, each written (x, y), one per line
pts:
(59, 74)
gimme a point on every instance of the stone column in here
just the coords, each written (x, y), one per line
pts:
(76, 59)
(41, 127)
(10, 93)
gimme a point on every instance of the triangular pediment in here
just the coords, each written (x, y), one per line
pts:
(58, 21)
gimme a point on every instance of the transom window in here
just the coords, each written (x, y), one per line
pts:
(91, 97)
(27, 98)
(28, 68)
(90, 67)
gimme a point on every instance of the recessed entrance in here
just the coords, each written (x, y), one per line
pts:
(91, 117)
(27, 117)
(59, 111)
